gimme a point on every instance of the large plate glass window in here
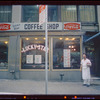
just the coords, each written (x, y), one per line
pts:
(33, 53)
(66, 53)
(4, 53)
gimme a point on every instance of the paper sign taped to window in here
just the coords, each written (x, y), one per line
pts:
(38, 59)
(66, 54)
(29, 59)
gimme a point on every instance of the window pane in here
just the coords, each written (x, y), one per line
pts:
(33, 53)
(3, 54)
(66, 53)
(52, 13)
(87, 13)
(68, 13)
(30, 13)
(5, 13)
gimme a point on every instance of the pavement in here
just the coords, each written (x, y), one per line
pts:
(31, 87)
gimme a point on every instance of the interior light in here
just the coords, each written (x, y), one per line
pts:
(36, 38)
(72, 46)
(44, 38)
(73, 38)
(69, 46)
(27, 38)
(67, 39)
(74, 49)
(6, 42)
(60, 38)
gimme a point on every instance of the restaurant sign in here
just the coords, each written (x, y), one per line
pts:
(52, 26)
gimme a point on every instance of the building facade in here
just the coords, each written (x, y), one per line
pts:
(22, 41)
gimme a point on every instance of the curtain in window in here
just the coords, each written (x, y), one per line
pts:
(68, 13)
(87, 13)
(5, 13)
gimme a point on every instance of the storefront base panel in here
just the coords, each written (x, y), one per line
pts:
(4, 75)
(52, 75)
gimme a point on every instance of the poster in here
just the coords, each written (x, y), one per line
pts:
(66, 54)
(29, 59)
(38, 59)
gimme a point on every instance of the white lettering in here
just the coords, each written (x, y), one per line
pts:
(32, 47)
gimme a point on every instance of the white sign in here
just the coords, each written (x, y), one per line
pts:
(42, 12)
(66, 54)
(29, 59)
(38, 59)
(30, 26)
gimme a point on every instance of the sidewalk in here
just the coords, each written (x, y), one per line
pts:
(54, 87)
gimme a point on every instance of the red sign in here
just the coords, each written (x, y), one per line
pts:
(4, 27)
(72, 26)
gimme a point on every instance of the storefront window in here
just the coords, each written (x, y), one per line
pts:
(3, 53)
(68, 13)
(33, 53)
(5, 13)
(30, 13)
(87, 13)
(66, 53)
(52, 13)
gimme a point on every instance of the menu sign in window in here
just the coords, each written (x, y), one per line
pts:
(66, 54)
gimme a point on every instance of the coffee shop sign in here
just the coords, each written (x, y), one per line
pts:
(29, 26)
(36, 27)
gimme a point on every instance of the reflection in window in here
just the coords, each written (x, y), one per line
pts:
(66, 53)
(33, 53)
(3, 54)
(87, 13)
(30, 13)
(5, 13)
(68, 13)
(52, 13)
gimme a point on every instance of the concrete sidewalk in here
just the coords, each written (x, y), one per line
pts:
(54, 87)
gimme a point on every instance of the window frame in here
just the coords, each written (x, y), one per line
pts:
(22, 19)
(21, 54)
(5, 38)
(11, 16)
(52, 69)
(95, 9)
(57, 13)
(76, 13)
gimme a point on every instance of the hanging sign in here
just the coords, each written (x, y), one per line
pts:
(42, 11)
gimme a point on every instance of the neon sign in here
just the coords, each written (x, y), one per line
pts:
(34, 47)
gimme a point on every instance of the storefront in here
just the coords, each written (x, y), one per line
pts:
(22, 51)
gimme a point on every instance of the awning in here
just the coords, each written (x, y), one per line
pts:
(92, 37)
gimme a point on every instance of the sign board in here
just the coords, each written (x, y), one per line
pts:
(72, 26)
(42, 12)
(29, 59)
(30, 26)
(66, 55)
